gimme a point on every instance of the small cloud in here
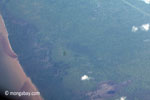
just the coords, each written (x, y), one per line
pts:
(146, 1)
(145, 27)
(85, 77)
(134, 28)
(123, 98)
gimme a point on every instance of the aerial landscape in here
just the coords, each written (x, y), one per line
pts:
(82, 49)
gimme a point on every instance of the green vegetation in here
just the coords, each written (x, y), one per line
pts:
(58, 41)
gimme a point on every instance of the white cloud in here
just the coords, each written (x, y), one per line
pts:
(145, 27)
(85, 77)
(146, 1)
(123, 98)
(134, 28)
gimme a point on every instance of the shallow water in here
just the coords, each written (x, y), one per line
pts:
(60, 41)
